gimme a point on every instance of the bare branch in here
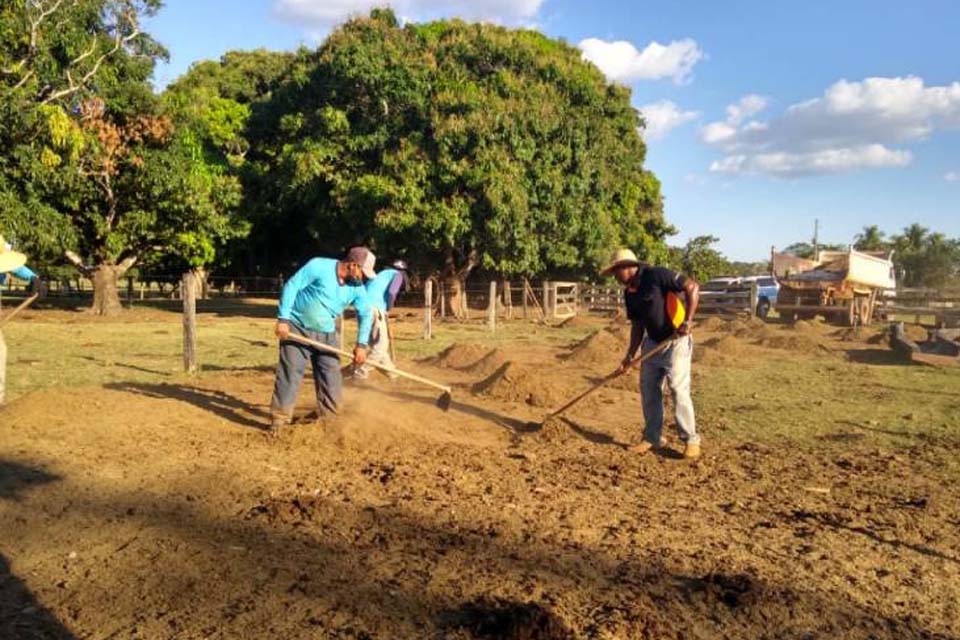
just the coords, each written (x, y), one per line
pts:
(119, 42)
(77, 262)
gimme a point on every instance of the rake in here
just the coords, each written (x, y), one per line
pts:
(443, 402)
(607, 379)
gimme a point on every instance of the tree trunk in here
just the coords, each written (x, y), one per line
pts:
(455, 283)
(105, 277)
(106, 294)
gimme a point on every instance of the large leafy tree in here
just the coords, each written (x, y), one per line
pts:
(926, 259)
(215, 100)
(871, 239)
(464, 145)
(94, 163)
(699, 259)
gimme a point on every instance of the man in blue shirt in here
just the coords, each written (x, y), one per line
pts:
(382, 294)
(309, 305)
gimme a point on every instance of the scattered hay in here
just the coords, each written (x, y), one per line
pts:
(599, 348)
(515, 383)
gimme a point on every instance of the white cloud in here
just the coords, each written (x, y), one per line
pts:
(320, 14)
(622, 62)
(851, 126)
(827, 161)
(952, 176)
(747, 106)
(662, 117)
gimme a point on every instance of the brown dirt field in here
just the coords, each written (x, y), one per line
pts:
(601, 347)
(142, 510)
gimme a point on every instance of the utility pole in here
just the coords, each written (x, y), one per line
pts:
(816, 240)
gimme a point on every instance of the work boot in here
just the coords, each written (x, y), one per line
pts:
(691, 451)
(646, 446)
(277, 422)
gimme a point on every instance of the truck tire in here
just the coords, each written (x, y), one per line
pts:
(763, 308)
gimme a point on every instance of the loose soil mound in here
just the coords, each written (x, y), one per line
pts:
(469, 357)
(724, 350)
(713, 323)
(916, 333)
(599, 348)
(799, 342)
(802, 326)
(751, 328)
(516, 383)
(577, 322)
(620, 329)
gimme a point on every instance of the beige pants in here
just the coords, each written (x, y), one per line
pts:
(379, 346)
(3, 367)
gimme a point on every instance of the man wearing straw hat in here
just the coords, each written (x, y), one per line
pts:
(10, 262)
(22, 272)
(660, 306)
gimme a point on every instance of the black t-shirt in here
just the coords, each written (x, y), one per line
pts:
(645, 297)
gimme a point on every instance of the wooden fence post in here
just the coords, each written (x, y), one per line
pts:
(492, 307)
(189, 289)
(754, 297)
(525, 287)
(338, 327)
(443, 300)
(547, 314)
(428, 310)
(508, 299)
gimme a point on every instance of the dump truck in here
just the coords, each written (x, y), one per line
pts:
(842, 286)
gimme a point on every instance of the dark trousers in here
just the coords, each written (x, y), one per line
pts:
(293, 362)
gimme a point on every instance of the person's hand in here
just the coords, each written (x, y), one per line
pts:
(684, 329)
(624, 366)
(359, 355)
(282, 329)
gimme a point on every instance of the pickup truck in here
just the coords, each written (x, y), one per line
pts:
(719, 289)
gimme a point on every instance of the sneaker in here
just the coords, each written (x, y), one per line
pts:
(691, 451)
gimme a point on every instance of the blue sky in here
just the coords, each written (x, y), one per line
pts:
(763, 116)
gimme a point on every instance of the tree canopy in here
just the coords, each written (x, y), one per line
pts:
(94, 164)
(456, 143)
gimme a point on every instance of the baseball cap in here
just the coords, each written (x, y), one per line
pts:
(365, 258)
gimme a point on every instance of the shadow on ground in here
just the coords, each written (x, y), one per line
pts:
(21, 614)
(219, 403)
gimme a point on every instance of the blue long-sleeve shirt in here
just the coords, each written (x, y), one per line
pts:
(24, 273)
(313, 298)
(383, 290)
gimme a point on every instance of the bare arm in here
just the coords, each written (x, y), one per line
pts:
(691, 289)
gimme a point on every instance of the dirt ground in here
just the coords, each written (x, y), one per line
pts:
(825, 505)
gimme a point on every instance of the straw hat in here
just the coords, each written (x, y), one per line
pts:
(620, 258)
(10, 260)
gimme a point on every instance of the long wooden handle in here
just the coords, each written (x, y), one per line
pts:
(616, 374)
(393, 353)
(325, 347)
(23, 305)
